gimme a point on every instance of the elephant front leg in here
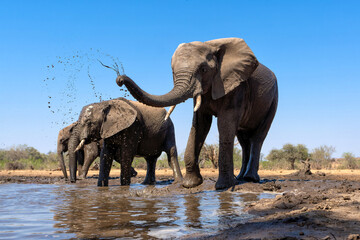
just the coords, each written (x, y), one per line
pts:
(200, 128)
(227, 128)
(127, 156)
(91, 151)
(80, 160)
(106, 159)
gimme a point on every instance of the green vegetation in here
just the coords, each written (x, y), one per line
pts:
(25, 157)
(288, 157)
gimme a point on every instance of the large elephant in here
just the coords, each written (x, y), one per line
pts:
(84, 158)
(226, 81)
(128, 129)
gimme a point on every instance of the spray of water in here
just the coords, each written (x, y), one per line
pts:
(74, 81)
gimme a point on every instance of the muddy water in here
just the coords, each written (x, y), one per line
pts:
(73, 211)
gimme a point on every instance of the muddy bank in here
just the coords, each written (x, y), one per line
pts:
(323, 205)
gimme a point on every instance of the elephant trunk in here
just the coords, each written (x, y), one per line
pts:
(60, 152)
(73, 143)
(183, 89)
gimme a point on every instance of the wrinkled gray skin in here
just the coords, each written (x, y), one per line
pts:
(128, 129)
(84, 157)
(244, 108)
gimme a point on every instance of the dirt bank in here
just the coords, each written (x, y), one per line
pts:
(323, 205)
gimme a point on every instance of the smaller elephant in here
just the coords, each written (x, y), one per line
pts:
(84, 158)
(128, 129)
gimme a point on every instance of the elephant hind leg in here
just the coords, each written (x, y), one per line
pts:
(171, 152)
(150, 171)
(245, 145)
(256, 140)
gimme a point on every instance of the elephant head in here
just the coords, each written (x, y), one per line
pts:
(198, 67)
(99, 121)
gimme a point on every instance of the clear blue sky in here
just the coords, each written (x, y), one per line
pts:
(312, 46)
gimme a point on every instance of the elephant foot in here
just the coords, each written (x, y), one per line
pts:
(104, 183)
(133, 172)
(225, 181)
(73, 180)
(146, 182)
(125, 182)
(178, 180)
(81, 177)
(192, 180)
(251, 177)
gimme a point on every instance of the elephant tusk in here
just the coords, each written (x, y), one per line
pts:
(80, 146)
(169, 112)
(198, 102)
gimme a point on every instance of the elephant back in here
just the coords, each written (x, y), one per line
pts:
(153, 118)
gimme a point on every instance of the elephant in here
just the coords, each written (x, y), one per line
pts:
(128, 129)
(84, 158)
(226, 81)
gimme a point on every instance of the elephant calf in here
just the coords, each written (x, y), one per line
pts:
(128, 129)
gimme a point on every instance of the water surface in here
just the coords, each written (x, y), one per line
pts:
(36, 211)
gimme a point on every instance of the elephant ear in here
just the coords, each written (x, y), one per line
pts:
(118, 115)
(236, 63)
(65, 133)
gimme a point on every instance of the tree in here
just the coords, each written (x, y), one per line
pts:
(293, 153)
(321, 157)
(289, 153)
(209, 152)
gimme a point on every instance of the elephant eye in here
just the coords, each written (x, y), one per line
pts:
(204, 70)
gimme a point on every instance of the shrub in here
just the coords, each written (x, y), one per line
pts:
(14, 166)
(321, 157)
(350, 162)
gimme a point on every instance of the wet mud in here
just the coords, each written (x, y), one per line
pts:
(322, 205)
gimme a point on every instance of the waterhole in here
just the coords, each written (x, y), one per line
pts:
(35, 211)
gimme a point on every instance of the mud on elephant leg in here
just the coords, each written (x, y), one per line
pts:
(106, 158)
(251, 173)
(245, 145)
(226, 177)
(256, 140)
(150, 173)
(199, 130)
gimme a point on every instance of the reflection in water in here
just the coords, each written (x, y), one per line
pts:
(192, 211)
(90, 212)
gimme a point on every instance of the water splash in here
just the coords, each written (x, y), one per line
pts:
(76, 80)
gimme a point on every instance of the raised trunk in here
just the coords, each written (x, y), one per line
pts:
(73, 143)
(181, 92)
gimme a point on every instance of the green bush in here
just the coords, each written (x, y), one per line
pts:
(286, 158)
(350, 162)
